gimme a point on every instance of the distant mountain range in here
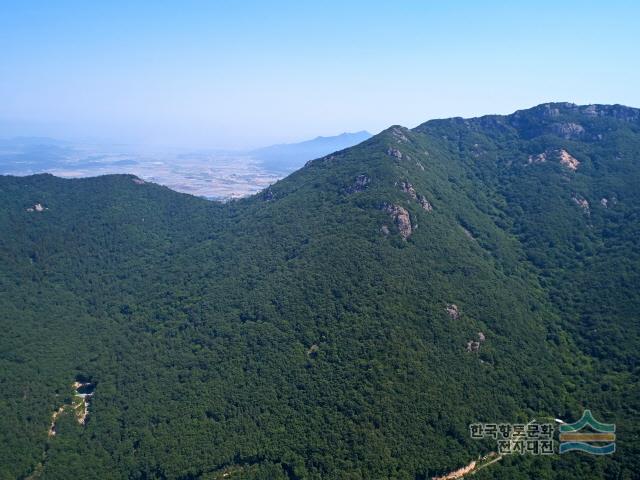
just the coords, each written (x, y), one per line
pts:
(287, 157)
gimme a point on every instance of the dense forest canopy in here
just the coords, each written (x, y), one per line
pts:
(351, 321)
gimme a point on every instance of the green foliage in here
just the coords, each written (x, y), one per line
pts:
(196, 320)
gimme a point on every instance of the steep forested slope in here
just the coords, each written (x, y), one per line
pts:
(350, 321)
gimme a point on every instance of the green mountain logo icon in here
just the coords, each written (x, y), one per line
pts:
(600, 440)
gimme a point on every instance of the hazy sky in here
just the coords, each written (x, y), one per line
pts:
(245, 73)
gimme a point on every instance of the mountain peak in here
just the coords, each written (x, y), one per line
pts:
(562, 119)
(556, 109)
(552, 110)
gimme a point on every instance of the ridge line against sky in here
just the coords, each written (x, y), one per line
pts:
(221, 75)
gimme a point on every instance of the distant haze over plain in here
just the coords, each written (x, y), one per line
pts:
(213, 174)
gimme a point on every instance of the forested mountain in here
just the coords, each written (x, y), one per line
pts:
(350, 321)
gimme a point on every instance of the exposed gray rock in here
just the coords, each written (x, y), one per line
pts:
(406, 187)
(481, 337)
(568, 130)
(538, 158)
(38, 207)
(384, 229)
(604, 202)
(582, 203)
(590, 111)
(394, 152)
(409, 189)
(567, 160)
(424, 203)
(399, 133)
(453, 311)
(473, 346)
(558, 154)
(552, 110)
(360, 183)
(620, 112)
(401, 218)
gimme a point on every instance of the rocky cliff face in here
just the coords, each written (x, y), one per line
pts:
(401, 218)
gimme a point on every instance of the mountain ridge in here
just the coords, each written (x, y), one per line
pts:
(351, 320)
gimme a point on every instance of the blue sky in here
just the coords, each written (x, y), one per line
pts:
(241, 74)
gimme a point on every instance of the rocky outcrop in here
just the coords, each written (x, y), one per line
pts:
(453, 311)
(473, 346)
(582, 203)
(406, 187)
(619, 112)
(384, 230)
(410, 190)
(559, 154)
(553, 110)
(604, 202)
(400, 134)
(394, 152)
(38, 207)
(549, 110)
(424, 203)
(568, 161)
(538, 158)
(567, 130)
(359, 184)
(401, 218)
